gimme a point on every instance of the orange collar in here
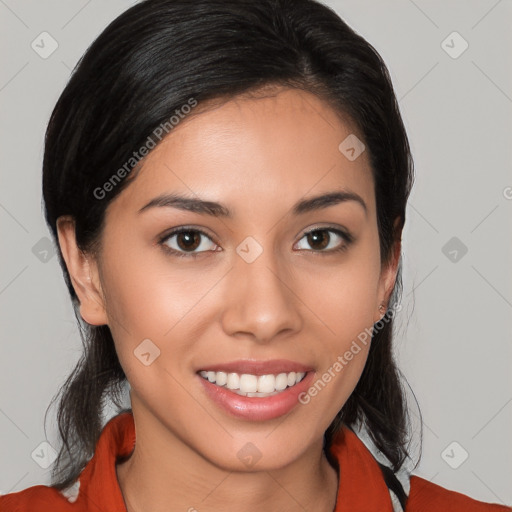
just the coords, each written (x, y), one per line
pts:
(362, 486)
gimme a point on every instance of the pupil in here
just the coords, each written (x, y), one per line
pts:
(316, 236)
(190, 238)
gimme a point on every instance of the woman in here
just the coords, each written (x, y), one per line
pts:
(227, 183)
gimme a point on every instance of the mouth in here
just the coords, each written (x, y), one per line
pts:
(251, 385)
(256, 390)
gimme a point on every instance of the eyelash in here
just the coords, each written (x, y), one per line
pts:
(347, 237)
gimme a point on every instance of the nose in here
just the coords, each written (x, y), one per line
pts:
(260, 302)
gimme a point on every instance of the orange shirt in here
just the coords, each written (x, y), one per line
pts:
(362, 487)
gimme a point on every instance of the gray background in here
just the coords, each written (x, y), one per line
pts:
(453, 336)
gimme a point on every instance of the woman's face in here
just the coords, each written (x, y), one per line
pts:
(255, 287)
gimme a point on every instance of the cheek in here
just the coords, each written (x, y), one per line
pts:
(153, 298)
(345, 302)
(147, 293)
(344, 296)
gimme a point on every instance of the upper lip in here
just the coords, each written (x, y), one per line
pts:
(255, 367)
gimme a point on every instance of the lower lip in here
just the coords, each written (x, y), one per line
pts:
(254, 408)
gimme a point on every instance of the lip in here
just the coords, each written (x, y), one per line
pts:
(256, 408)
(255, 367)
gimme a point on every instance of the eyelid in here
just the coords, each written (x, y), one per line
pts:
(342, 231)
(180, 229)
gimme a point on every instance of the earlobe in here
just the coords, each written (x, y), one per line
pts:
(83, 273)
(388, 279)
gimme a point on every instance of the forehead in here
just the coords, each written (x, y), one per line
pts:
(280, 145)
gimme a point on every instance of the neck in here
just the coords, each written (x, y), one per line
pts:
(164, 471)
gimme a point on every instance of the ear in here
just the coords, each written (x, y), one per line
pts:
(83, 272)
(388, 273)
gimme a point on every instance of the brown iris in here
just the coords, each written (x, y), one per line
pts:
(319, 236)
(188, 240)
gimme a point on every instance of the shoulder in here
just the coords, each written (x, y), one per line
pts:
(357, 449)
(97, 483)
(38, 496)
(427, 496)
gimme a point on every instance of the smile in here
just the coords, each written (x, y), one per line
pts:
(253, 385)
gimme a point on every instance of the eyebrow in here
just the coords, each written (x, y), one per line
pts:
(219, 210)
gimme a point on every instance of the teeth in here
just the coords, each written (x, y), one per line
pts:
(233, 381)
(248, 383)
(266, 383)
(221, 378)
(253, 385)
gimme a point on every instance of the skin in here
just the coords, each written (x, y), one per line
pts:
(257, 155)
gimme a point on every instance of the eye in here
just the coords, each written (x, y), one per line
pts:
(327, 240)
(187, 242)
(183, 241)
